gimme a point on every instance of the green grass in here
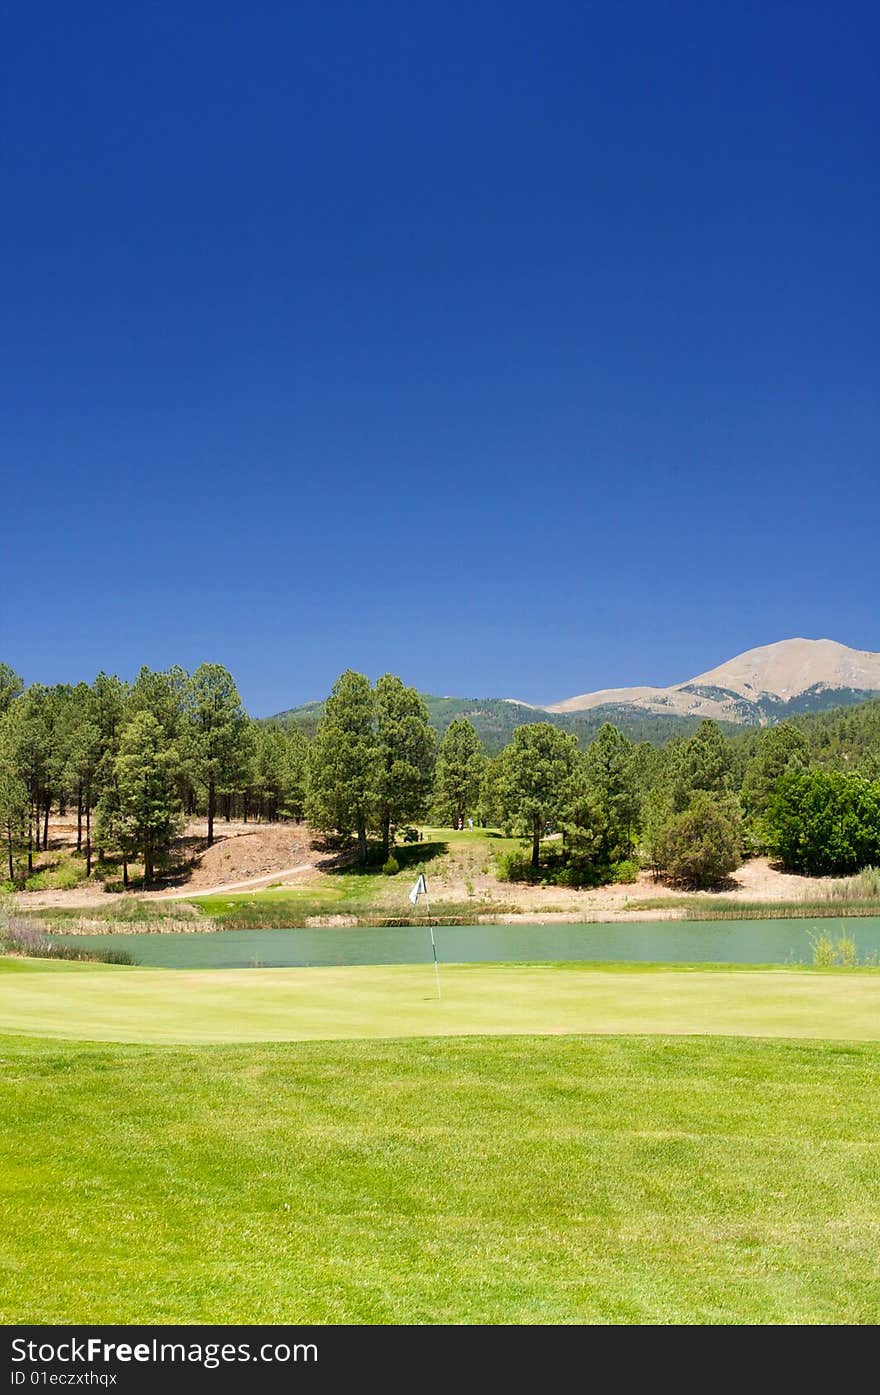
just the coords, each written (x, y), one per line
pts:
(288, 907)
(513, 1180)
(108, 1003)
(61, 872)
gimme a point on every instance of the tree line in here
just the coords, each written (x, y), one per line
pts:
(691, 810)
(132, 760)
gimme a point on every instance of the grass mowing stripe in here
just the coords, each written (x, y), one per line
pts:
(497, 1179)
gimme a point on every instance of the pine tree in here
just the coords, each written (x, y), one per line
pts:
(406, 746)
(217, 735)
(145, 789)
(343, 759)
(610, 771)
(461, 764)
(534, 772)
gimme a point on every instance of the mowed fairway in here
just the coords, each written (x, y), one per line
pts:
(511, 1154)
(493, 1179)
(98, 1002)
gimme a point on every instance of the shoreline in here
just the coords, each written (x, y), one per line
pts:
(697, 914)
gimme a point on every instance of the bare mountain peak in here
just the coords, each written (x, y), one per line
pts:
(770, 674)
(791, 666)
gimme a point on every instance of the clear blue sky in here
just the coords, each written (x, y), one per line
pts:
(521, 349)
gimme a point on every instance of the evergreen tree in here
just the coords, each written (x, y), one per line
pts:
(296, 773)
(145, 804)
(28, 752)
(703, 844)
(585, 827)
(461, 764)
(10, 687)
(166, 696)
(780, 750)
(218, 734)
(704, 762)
(610, 771)
(492, 806)
(83, 760)
(267, 777)
(533, 778)
(343, 758)
(405, 746)
(277, 783)
(14, 806)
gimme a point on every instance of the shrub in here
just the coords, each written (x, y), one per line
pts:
(38, 881)
(391, 866)
(626, 871)
(702, 845)
(516, 866)
(70, 875)
(823, 952)
(575, 875)
(847, 954)
(825, 821)
(558, 869)
(827, 953)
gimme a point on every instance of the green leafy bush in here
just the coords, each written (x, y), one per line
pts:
(391, 867)
(576, 875)
(70, 875)
(624, 872)
(825, 821)
(39, 881)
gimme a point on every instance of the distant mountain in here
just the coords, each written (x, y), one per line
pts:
(496, 719)
(759, 687)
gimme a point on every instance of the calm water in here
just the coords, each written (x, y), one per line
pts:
(718, 941)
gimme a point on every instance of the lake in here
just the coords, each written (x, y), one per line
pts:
(668, 941)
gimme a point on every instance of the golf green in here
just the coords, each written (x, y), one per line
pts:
(99, 1002)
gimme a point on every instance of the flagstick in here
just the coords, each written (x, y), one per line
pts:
(433, 945)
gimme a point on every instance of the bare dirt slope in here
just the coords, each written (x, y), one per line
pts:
(243, 854)
(244, 851)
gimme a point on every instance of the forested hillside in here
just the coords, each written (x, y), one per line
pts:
(131, 760)
(495, 720)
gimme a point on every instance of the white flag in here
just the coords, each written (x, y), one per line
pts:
(420, 889)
